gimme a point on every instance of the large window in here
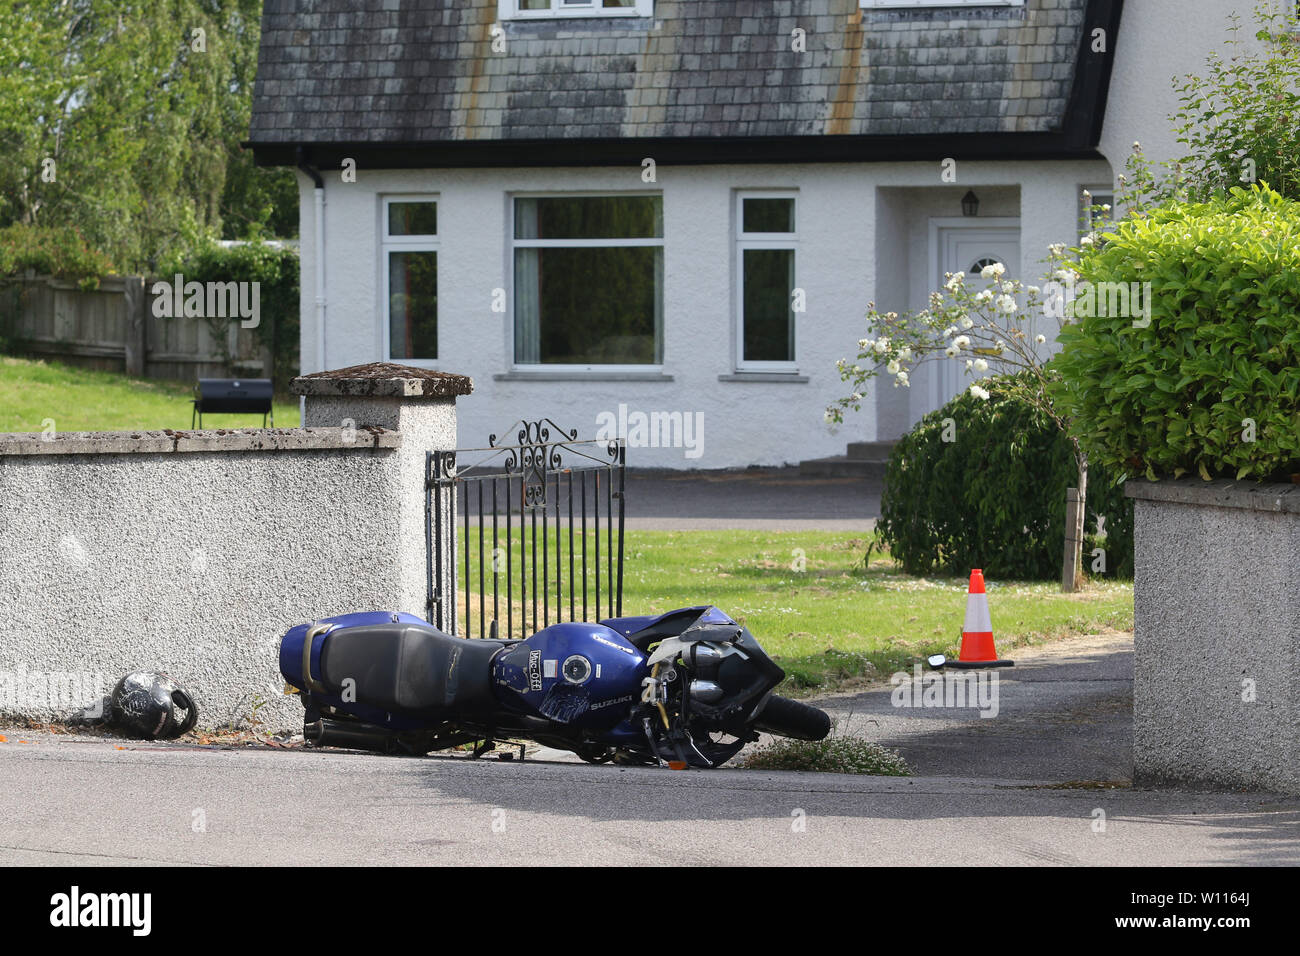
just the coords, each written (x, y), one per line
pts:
(410, 266)
(767, 246)
(589, 279)
(524, 9)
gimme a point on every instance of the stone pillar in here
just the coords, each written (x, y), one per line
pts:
(421, 405)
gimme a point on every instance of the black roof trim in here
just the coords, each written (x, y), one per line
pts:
(677, 152)
(1086, 111)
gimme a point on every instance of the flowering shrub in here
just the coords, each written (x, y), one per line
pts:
(993, 324)
(980, 484)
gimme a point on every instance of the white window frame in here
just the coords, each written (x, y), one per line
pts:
(885, 4)
(387, 244)
(762, 240)
(514, 243)
(509, 10)
(1097, 191)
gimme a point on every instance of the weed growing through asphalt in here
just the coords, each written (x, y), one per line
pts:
(838, 753)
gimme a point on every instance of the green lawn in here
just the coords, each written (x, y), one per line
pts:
(78, 399)
(834, 620)
(827, 623)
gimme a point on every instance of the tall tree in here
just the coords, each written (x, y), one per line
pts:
(121, 118)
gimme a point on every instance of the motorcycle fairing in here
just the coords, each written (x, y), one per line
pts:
(643, 631)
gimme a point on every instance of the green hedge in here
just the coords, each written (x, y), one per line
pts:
(57, 251)
(1219, 363)
(277, 271)
(994, 498)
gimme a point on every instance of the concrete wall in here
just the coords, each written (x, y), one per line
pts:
(768, 422)
(1216, 691)
(193, 552)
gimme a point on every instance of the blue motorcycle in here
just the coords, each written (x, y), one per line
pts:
(687, 688)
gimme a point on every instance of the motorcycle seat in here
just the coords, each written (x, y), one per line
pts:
(411, 668)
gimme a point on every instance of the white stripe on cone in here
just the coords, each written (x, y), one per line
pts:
(977, 615)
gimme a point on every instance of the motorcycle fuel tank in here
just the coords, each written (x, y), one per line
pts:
(582, 674)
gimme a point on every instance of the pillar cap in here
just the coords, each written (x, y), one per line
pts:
(383, 380)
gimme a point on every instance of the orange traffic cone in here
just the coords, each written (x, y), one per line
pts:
(977, 648)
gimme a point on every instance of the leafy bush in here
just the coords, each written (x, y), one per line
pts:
(277, 270)
(993, 496)
(58, 251)
(1212, 385)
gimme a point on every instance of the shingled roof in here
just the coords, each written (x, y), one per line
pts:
(404, 72)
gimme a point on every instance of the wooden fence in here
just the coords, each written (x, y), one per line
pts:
(114, 327)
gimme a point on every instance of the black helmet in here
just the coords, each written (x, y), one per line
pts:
(151, 705)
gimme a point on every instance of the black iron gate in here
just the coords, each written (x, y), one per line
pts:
(525, 535)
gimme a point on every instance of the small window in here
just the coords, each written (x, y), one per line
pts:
(410, 278)
(525, 9)
(766, 252)
(588, 280)
(1096, 209)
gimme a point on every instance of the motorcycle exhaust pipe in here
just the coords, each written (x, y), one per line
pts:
(338, 733)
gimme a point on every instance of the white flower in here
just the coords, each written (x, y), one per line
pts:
(1057, 248)
(981, 365)
(1040, 339)
(951, 351)
(830, 417)
(993, 270)
(880, 346)
(1034, 290)
(892, 367)
(856, 397)
(961, 342)
(1000, 345)
(954, 281)
(1086, 241)
(969, 363)
(902, 380)
(862, 344)
(980, 393)
(967, 322)
(1064, 275)
(950, 330)
(904, 354)
(1006, 304)
(985, 296)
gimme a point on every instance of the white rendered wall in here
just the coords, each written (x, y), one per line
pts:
(1158, 40)
(744, 423)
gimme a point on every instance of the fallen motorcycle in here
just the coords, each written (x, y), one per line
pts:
(687, 688)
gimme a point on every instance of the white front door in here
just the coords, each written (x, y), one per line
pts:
(967, 246)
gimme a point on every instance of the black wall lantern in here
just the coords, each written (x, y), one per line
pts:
(970, 204)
